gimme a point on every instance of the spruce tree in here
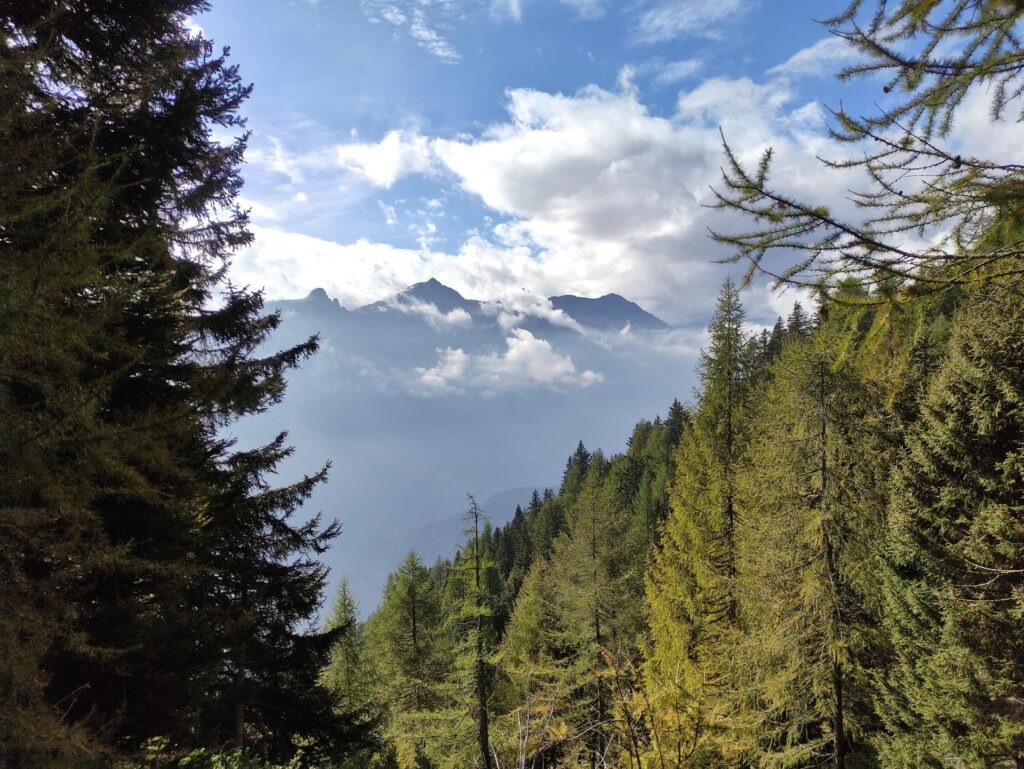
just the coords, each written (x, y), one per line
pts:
(53, 335)
(955, 559)
(190, 582)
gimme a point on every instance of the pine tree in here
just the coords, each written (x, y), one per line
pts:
(955, 559)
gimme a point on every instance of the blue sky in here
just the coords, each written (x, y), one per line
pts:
(519, 147)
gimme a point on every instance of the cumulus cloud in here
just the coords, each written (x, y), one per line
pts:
(290, 264)
(526, 362)
(384, 162)
(825, 58)
(516, 308)
(592, 191)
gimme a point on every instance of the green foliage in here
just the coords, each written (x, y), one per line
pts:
(808, 612)
(930, 55)
(691, 584)
(750, 583)
(156, 755)
(152, 582)
(953, 586)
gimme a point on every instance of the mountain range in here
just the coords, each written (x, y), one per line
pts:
(427, 395)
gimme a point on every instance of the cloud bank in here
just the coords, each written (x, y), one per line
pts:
(591, 193)
(526, 362)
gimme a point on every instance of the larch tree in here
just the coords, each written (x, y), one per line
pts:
(813, 506)
(932, 59)
(691, 583)
(406, 634)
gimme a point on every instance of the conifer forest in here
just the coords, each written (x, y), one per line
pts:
(815, 559)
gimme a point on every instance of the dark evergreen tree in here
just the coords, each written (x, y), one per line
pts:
(678, 419)
(798, 325)
(955, 571)
(190, 583)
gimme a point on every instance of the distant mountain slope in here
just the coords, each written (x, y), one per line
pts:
(444, 536)
(424, 396)
(610, 312)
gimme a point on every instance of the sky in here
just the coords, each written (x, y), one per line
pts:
(520, 147)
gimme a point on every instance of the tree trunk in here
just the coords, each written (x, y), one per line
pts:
(838, 727)
(240, 725)
(481, 665)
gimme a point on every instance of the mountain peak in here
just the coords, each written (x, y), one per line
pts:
(610, 312)
(434, 292)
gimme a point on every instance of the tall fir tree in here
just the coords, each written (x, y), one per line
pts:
(190, 583)
(955, 559)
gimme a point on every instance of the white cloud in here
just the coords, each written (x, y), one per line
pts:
(259, 212)
(383, 163)
(512, 9)
(427, 22)
(823, 59)
(515, 308)
(440, 321)
(664, 20)
(677, 71)
(525, 363)
(389, 213)
(290, 264)
(277, 159)
(592, 194)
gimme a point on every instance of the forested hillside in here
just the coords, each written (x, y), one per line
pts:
(818, 562)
